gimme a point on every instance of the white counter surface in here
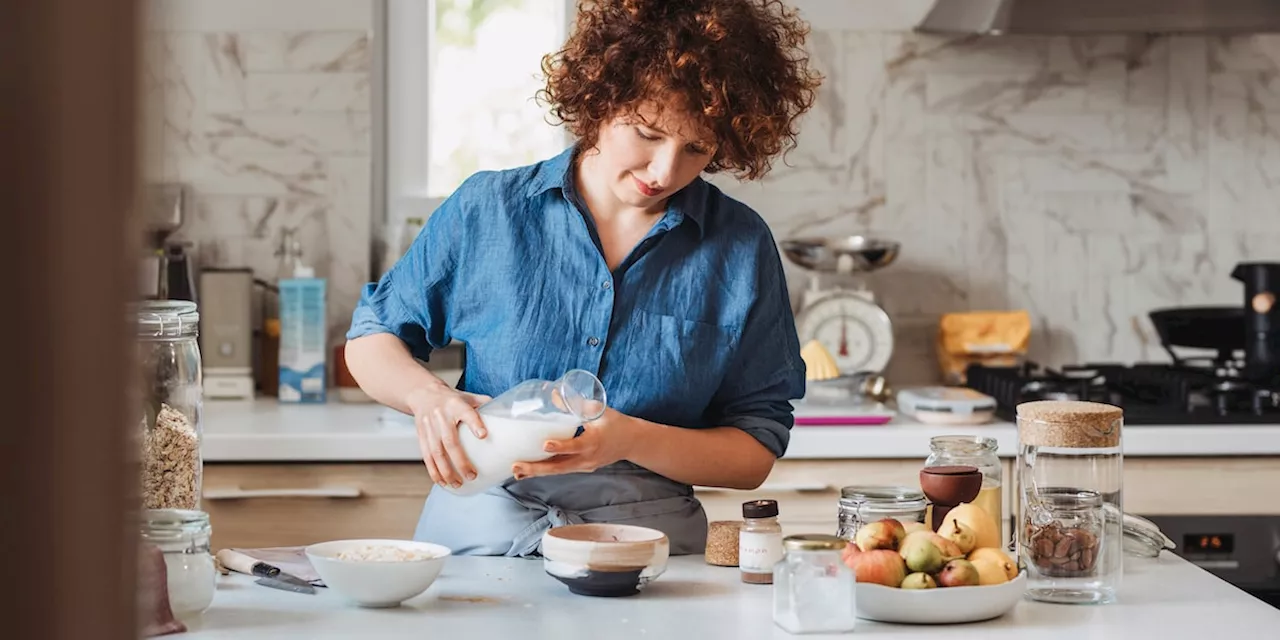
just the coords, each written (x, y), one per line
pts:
(267, 431)
(511, 598)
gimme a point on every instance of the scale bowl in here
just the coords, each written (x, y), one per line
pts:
(846, 254)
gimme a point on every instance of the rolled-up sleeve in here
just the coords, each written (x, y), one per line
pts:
(766, 372)
(411, 301)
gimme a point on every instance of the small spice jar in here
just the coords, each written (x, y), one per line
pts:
(759, 541)
(183, 537)
(814, 590)
(860, 505)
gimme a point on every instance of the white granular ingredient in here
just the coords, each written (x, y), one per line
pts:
(384, 553)
(171, 462)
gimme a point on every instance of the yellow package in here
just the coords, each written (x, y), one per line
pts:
(994, 338)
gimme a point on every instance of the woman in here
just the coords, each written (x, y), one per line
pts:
(617, 258)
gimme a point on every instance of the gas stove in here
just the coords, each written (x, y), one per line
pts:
(1169, 394)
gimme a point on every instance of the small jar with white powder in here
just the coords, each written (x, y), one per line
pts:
(183, 537)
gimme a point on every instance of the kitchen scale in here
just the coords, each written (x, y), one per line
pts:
(848, 323)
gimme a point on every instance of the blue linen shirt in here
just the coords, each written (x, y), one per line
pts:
(693, 329)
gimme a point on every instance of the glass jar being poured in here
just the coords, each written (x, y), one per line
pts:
(520, 420)
(1070, 477)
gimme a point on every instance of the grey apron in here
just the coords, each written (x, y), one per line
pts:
(509, 520)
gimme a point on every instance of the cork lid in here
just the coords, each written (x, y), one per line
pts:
(1071, 424)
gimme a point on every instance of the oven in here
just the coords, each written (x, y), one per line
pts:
(1242, 550)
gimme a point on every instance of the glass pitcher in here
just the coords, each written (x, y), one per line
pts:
(521, 420)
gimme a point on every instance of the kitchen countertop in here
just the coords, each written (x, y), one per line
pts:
(513, 598)
(264, 430)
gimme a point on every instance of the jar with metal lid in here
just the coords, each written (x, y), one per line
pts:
(182, 536)
(168, 359)
(814, 591)
(1070, 507)
(861, 505)
(975, 451)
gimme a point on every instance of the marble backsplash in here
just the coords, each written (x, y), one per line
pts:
(264, 111)
(1088, 180)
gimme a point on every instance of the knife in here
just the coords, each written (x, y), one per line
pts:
(286, 582)
(270, 576)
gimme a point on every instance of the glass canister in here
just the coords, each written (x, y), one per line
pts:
(168, 357)
(863, 504)
(1070, 500)
(975, 451)
(814, 591)
(182, 537)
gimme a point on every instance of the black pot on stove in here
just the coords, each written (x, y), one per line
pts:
(1262, 318)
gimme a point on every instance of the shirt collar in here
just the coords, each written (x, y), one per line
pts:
(557, 172)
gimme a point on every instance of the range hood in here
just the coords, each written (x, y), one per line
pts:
(999, 17)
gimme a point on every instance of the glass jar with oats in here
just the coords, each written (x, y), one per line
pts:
(170, 393)
(1070, 500)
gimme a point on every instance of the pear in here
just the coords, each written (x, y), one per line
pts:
(997, 557)
(912, 527)
(921, 554)
(959, 533)
(989, 571)
(979, 521)
(958, 573)
(879, 535)
(919, 580)
(878, 566)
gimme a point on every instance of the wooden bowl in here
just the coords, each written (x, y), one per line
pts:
(605, 559)
(951, 485)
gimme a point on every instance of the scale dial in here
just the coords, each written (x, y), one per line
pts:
(857, 332)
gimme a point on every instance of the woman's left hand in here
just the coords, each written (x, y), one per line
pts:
(603, 441)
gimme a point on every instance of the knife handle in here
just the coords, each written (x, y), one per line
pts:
(237, 561)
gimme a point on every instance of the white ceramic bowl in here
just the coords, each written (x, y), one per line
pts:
(377, 583)
(607, 560)
(943, 605)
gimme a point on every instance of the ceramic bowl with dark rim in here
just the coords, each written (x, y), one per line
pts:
(608, 560)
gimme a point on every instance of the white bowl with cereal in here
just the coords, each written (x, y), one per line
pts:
(377, 573)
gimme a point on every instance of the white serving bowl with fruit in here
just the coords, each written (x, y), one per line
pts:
(912, 574)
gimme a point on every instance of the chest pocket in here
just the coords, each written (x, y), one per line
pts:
(681, 362)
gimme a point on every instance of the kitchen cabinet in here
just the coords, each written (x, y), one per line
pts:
(284, 504)
(270, 504)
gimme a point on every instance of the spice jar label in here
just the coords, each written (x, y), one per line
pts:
(758, 552)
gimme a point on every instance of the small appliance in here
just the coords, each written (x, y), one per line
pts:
(1261, 319)
(168, 265)
(226, 332)
(847, 321)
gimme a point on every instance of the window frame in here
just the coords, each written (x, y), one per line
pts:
(402, 64)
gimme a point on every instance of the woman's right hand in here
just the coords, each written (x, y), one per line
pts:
(437, 412)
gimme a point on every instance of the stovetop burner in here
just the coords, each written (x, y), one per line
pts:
(1148, 393)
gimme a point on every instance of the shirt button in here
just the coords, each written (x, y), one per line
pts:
(593, 341)
(607, 284)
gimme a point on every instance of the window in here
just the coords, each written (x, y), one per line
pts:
(460, 80)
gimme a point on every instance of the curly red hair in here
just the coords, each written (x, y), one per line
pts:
(738, 67)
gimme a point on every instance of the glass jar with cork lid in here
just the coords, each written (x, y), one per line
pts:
(1070, 474)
